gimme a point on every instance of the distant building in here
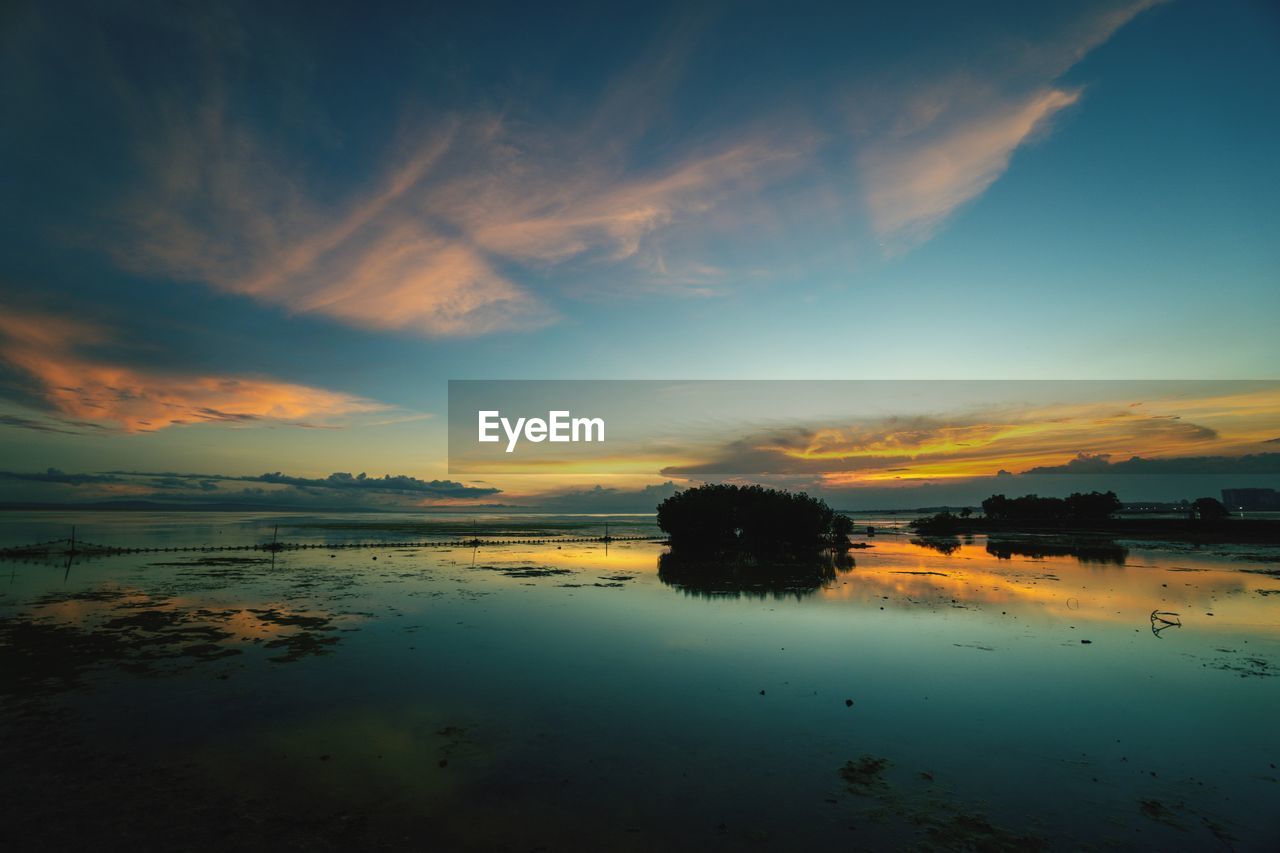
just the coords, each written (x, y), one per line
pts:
(1251, 500)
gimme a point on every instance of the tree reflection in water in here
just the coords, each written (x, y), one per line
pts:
(738, 574)
(1104, 552)
(945, 545)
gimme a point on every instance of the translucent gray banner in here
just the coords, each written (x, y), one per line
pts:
(846, 432)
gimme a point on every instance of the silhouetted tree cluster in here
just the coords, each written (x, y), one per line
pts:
(942, 524)
(1079, 506)
(720, 516)
(1092, 506)
(944, 545)
(1208, 509)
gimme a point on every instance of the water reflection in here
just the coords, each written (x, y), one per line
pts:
(481, 700)
(748, 575)
(62, 636)
(1219, 593)
(945, 545)
(1107, 553)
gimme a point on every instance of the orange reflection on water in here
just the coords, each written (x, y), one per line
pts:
(1100, 584)
(635, 557)
(240, 622)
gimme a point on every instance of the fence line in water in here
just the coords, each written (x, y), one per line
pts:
(70, 546)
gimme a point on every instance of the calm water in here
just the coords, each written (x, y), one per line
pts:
(544, 697)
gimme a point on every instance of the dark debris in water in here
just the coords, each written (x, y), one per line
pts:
(865, 775)
(43, 652)
(298, 646)
(215, 561)
(1245, 667)
(975, 832)
(42, 656)
(1260, 557)
(1184, 818)
(295, 620)
(527, 571)
(1159, 812)
(940, 824)
(107, 593)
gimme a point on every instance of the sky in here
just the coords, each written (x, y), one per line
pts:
(243, 250)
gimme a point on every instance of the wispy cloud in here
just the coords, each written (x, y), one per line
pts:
(478, 220)
(914, 183)
(612, 214)
(57, 426)
(432, 246)
(218, 206)
(52, 357)
(948, 141)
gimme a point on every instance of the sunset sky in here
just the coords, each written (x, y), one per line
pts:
(242, 250)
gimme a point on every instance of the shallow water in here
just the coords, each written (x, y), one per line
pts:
(993, 695)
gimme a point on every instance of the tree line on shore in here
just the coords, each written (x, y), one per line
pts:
(1078, 508)
(725, 517)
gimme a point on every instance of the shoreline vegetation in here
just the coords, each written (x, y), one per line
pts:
(1092, 514)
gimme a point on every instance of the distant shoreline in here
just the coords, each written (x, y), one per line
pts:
(143, 506)
(1243, 530)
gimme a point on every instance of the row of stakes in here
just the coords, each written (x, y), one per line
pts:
(72, 547)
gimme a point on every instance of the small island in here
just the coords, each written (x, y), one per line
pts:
(729, 540)
(726, 517)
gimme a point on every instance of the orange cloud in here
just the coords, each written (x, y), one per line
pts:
(44, 349)
(979, 444)
(615, 215)
(428, 249)
(441, 236)
(911, 186)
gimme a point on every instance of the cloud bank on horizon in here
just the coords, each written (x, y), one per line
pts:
(1180, 438)
(338, 491)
